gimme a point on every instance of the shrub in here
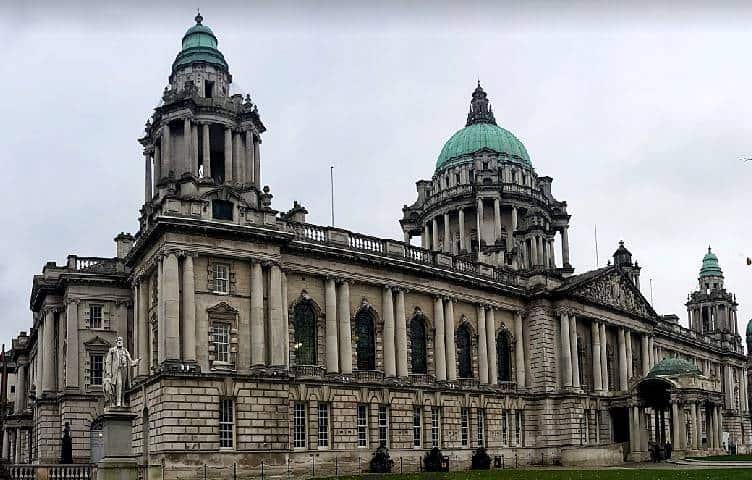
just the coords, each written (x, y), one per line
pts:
(381, 463)
(481, 459)
(432, 460)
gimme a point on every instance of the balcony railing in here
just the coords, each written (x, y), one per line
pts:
(368, 376)
(308, 371)
(344, 239)
(92, 264)
(51, 472)
(421, 379)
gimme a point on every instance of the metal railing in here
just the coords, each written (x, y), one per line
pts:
(52, 472)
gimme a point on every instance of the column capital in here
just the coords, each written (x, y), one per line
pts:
(343, 281)
(69, 300)
(270, 263)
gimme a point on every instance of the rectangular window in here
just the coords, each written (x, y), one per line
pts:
(221, 278)
(504, 428)
(417, 428)
(464, 427)
(226, 422)
(323, 425)
(435, 427)
(481, 427)
(299, 425)
(95, 316)
(221, 340)
(222, 209)
(383, 425)
(362, 426)
(96, 366)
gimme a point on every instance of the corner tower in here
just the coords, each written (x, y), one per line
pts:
(711, 308)
(486, 203)
(201, 138)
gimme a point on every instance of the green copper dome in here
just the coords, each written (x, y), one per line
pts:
(710, 267)
(481, 133)
(199, 45)
(674, 366)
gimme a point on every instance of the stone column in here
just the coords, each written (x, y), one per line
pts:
(345, 335)
(519, 350)
(400, 331)
(573, 341)
(461, 214)
(258, 343)
(194, 149)
(228, 155)
(479, 213)
(206, 147)
(20, 400)
(5, 454)
(493, 367)
(675, 426)
(48, 358)
(729, 393)
(71, 338)
(332, 352)
(566, 351)
(447, 235)
(171, 285)
(189, 310)
(157, 165)
(693, 425)
(249, 160)
(628, 344)
(645, 356)
(565, 246)
(237, 154)
(160, 313)
(144, 326)
(533, 251)
(482, 345)
(719, 426)
(425, 238)
(597, 373)
(387, 313)
(167, 153)
(187, 163)
(451, 347)
(651, 351)
(257, 163)
(514, 219)
(544, 251)
(285, 340)
(434, 234)
(439, 348)
(622, 360)
(604, 356)
(277, 341)
(497, 220)
(147, 177)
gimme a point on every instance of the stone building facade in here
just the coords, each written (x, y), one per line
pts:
(266, 338)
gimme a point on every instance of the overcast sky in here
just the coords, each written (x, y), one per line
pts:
(640, 115)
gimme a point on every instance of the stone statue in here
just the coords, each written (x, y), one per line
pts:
(117, 369)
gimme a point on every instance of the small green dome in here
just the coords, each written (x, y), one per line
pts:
(199, 45)
(479, 136)
(749, 329)
(710, 267)
(674, 366)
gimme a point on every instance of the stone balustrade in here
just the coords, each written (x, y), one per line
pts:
(340, 238)
(51, 472)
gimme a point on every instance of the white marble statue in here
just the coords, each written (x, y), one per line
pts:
(117, 372)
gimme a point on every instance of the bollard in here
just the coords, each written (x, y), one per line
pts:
(502, 461)
(204, 471)
(289, 476)
(401, 470)
(262, 470)
(515, 459)
(313, 465)
(542, 459)
(336, 467)
(359, 470)
(234, 471)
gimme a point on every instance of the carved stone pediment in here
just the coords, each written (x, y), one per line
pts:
(222, 308)
(613, 289)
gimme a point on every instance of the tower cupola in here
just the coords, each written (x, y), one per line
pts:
(623, 261)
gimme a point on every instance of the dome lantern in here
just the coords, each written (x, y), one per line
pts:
(710, 267)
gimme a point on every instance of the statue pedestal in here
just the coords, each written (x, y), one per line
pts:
(118, 461)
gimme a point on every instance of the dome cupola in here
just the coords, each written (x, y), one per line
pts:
(674, 366)
(481, 133)
(710, 267)
(200, 45)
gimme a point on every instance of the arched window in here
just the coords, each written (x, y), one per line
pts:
(503, 356)
(366, 343)
(304, 320)
(418, 345)
(464, 353)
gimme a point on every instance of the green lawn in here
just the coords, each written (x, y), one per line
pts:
(637, 474)
(725, 458)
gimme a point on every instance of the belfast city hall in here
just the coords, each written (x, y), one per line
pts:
(260, 338)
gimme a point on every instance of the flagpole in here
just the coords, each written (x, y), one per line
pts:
(331, 185)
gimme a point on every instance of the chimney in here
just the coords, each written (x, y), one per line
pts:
(124, 243)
